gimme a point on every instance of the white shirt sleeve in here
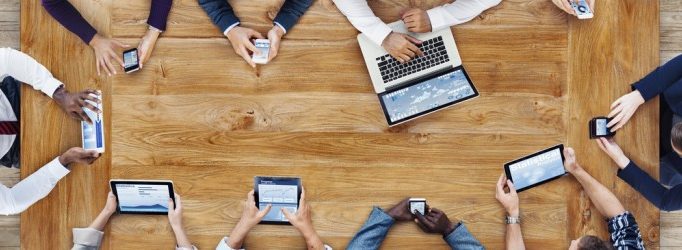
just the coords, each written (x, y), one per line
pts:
(362, 18)
(30, 190)
(461, 11)
(222, 245)
(25, 69)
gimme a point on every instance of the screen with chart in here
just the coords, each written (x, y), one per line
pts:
(429, 95)
(142, 197)
(280, 193)
(537, 169)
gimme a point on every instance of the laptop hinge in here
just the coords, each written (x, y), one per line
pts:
(421, 78)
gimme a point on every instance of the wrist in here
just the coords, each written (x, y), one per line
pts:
(622, 162)
(640, 98)
(95, 39)
(278, 30)
(59, 94)
(513, 212)
(64, 160)
(451, 227)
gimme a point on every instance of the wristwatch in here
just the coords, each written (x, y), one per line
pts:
(512, 220)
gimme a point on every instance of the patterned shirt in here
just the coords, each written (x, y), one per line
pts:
(625, 232)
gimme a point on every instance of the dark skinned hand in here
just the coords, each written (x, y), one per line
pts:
(435, 222)
(401, 211)
(73, 103)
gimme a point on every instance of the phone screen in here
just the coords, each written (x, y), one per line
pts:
(263, 46)
(600, 127)
(130, 59)
(419, 206)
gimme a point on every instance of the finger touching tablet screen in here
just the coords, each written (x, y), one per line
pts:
(142, 196)
(537, 168)
(280, 192)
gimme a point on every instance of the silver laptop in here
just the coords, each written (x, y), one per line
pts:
(423, 85)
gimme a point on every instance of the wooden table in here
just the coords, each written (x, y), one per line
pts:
(199, 115)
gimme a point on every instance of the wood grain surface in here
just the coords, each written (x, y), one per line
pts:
(197, 114)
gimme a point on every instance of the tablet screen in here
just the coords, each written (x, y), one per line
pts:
(537, 168)
(426, 96)
(281, 193)
(142, 198)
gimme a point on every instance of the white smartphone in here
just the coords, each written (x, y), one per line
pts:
(262, 45)
(418, 205)
(582, 9)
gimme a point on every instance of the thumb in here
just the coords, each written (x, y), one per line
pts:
(512, 189)
(170, 206)
(287, 214)
(265, 211)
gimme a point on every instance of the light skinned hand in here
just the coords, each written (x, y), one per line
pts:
(611, 148)
(275, 36)
(107, 54)
(510, 200)
(73, 103)
(416, 20)
(251, 215)
(78, 155)
(565, 5)
(111, 205)
(240, 38)
(570, 163)
(175, 212)
(623, 109)
(146, 46)
(302, 219)
(402, 47)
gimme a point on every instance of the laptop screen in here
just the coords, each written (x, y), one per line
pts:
(426, 96)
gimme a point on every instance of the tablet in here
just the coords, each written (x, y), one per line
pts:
(281, 192)
(536, 169)
(142, 196)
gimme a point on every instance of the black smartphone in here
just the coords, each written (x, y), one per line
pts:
(598, 128)
(131, 60)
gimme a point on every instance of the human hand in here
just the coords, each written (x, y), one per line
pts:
(611, 148)
(565, 5)
(78, 155)
(570, 163)
(401, 46)
(240, 38)
(175, 212)
(275, 36)
(73, 103)
(111, 205)
(623, 109)
(417, 20)
(302, 220)
(401, 211)
(147, 44)
(107, 53)
(435, 222)
(510, 201)
(251, 216)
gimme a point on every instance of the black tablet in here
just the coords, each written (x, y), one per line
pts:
(142, 196)
(281, 192)
(537, 168)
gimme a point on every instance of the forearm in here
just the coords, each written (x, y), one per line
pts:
(373, 232)
(26, 69)
(31, 189)
(181, 237)
(362, 18)
(313, 240)
(603, 199)
(291, 11)
(70, 18)
(101, 221)
(660, 79)
(460, 11)
(220, 12)
(238, 236)
(514, 238)
(158, 13)
(660, 196)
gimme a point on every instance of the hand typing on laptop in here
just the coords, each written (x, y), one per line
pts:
(416, 20)
(402, 47)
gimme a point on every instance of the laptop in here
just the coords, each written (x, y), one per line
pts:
(425, 84)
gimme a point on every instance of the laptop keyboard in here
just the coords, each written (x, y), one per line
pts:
(434, 54)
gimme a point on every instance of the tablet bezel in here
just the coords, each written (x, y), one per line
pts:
(563, 159)
(257, 179)
(112, 185)
(428, 111)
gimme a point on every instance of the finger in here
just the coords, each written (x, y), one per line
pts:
(110, 66)
(302, 200)
(617, 102)
(246, 57)
(423, 220)
(264, 212)
(512, 189)
(105, 66)
(120, 44)
(256, 35)
(250, 46)
(84, 116)
(249, 197)
(615, 120)
(90, 95)
(600, 143)
(415, 50)
(287, 214)
(413, 40)
(408, 51)
(99, 64)
(615, 111)
(405, 58)
(500, 184)
(170, 206)
(422, 226)
(397, 57)
(178, 201)
(117, 58)
(568, 8)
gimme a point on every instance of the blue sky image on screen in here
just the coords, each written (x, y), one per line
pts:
(280, 196)
(537, 169)
(142, 197)
(427, 95)
(130, 59)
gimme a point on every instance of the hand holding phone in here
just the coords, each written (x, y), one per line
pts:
(582, 9)
(131, 60)
(263, 46)
(598, 128)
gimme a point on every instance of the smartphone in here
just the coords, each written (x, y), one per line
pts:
(131, 60)
(262, 45)
(582, 9)
(418, 205)
(598, 128)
